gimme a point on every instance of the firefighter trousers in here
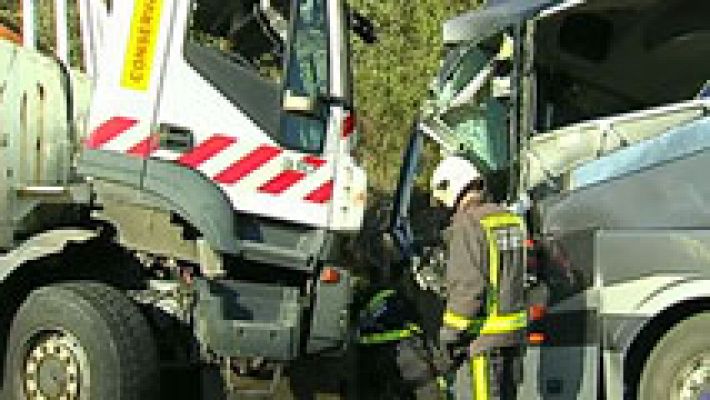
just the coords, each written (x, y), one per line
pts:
(492, 375)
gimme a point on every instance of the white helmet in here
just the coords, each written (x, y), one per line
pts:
(451, 177)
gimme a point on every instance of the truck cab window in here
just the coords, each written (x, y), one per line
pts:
(238, 32)
(240, 47)
(229, 46)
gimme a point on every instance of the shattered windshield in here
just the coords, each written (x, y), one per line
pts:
(464, 112)
(459, 68)
(451, 60)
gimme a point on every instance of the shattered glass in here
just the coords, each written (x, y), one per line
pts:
(476, 127)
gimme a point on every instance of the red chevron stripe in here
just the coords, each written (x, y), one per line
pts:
(109, 130)
(287, 179)
(251, 162)
(321, 195)
(348, 126)
(206, 150)
(314, 161)
(282, 182)
(145, 148)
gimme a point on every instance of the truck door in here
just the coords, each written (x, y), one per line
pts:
(130, 45)
(221, 111)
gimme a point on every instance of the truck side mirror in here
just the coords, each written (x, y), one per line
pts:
(363, 27)
(299, 104)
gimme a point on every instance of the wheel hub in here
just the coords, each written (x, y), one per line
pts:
(693, 381)
(53, 368)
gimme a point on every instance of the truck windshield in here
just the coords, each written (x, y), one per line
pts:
(246, 50)
(464, 112)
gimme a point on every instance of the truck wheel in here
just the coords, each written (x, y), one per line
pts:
(679, 366)
(79, 341)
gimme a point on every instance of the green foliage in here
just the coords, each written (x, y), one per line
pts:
(392, 79)
(11, 17)
(46, 19)
(10, 14)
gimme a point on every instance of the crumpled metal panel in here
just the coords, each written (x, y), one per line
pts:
(671, 194)
(556, 154)
(675, 143)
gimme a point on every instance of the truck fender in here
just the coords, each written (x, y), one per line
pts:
(196, 199)
(669, 291)
(651, 306)
(42, 245)
(626, 331)
(679, 291)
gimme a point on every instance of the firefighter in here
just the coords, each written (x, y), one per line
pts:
(483, 320)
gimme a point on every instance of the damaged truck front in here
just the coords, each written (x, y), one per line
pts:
(592, 120)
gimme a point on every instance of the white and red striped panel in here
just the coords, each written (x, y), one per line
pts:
(259, 178)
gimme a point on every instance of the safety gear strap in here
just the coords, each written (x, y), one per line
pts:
(493, 325)
(490, 224)
(379, 299)
(372, 306)
(391, 336)
(480, 377)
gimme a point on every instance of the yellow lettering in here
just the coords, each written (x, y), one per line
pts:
(145, 27)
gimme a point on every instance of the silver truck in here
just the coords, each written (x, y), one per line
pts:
(592, 120)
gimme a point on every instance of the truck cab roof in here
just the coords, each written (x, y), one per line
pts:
(491, 19)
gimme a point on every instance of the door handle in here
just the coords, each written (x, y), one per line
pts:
(176, 138)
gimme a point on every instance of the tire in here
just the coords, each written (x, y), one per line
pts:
(680, 360)
(80, 341)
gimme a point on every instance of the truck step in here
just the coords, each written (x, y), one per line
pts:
(245, 319)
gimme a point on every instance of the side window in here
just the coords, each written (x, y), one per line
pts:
(237, 31)
(240, 49)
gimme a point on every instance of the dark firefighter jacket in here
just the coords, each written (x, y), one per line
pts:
(467, 273)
